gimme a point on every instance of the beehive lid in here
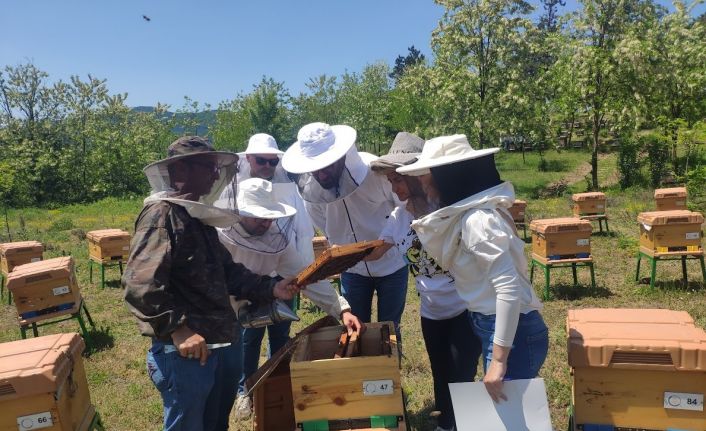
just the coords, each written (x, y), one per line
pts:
(519, 203)
(98, 235)
(653, 218)
(635, 338)
(20, 244)
(58, 263)
(673, 192)
(590, 196)
(37, 365)
(285, 353)
(564, 224)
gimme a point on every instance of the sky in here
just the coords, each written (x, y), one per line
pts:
(210, 50)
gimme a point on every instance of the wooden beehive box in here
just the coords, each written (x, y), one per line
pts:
(108, 245)
(360, 389)
(320, 244)
(43, 384)
(670, 231)
(671, 199)
(13, 254)
(517, 211)
(561, 238)
(637, 369)
(591, 203)
(44, 289)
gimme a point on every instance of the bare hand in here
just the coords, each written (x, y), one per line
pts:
(190, 344)
(493, 380)
(285, 289)
(352, 322)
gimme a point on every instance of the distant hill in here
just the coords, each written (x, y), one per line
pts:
(205, 119)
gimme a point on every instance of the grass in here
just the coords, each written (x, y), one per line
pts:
(127, 400)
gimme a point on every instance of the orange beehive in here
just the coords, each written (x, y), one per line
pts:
(108, 245)
(671, 199)
(43, 384)
(560, 238)
(668, 231)
(45, 288)
(320, 243)
(637, 369)
(19, 253)
(591, 203)
(517, 211)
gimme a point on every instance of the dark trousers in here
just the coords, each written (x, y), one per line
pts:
(453, 351)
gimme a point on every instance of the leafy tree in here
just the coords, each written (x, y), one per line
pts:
(413, 58)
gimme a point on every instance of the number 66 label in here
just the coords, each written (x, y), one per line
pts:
(377, 387)
(34, 422)
(683, 401)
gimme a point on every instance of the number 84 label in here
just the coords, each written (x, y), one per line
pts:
(683, 401)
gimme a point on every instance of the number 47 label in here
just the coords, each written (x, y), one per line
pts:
(683, 401)
(378, 387)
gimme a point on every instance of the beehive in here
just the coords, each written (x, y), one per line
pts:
(108, 245)
(561, 238)
(13, 254)
(517, 211)
(591, 203)
(45, 288)
(43, 384)
(637, 369)
(362, 389)
(671, 199)
(320, 243)
(670, 231)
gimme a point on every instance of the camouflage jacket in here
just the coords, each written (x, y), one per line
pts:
(179, 273)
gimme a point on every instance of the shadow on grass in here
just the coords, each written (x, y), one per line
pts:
(606, 234)
(101, 339)
(677, 285)
(421, 419)
(568, 292)
(113, 284)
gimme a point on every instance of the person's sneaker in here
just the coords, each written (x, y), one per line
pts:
(243, 407)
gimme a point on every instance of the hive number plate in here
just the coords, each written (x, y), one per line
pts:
(377, 387)
(582, 242)
(34, 422)
(693, 235)
(61, 290)
(683, 401)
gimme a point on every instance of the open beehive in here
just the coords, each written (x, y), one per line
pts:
(108, 245)
(44, 289)
(13, 254)
(561, 238)
(517, 211)
(669, 199)
(637, 369)
(670, 231)
(43, 384)
(591, 203)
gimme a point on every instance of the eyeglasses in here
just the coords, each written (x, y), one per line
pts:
(263, 161)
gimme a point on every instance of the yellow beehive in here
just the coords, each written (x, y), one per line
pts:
(350, 388)
(517, 211)
(671, 199)
(591, 203)
(561, 238)
(637, 369)
(43, 384)
(108, 245)
(670, 231)
(44, 289)
(19, 253)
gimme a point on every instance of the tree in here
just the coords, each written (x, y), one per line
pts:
(413, 58)
(481, 36)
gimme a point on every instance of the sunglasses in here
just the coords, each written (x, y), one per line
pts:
(263, 161)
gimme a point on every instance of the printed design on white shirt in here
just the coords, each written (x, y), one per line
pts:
(420, 263)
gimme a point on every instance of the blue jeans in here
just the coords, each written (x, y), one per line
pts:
(391, 290)
(278, 335)
(529, 348)
(194, 397)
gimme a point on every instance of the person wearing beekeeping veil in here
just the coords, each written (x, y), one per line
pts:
(350, 204)
(262, 241)
(178, 280)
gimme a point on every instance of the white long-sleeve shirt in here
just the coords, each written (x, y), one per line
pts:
(360, 216)
(486, 258)
(288, 263)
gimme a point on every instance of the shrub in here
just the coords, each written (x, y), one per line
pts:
(657, 147)
(629, 162)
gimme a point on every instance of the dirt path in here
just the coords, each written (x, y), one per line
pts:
(579, 174)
